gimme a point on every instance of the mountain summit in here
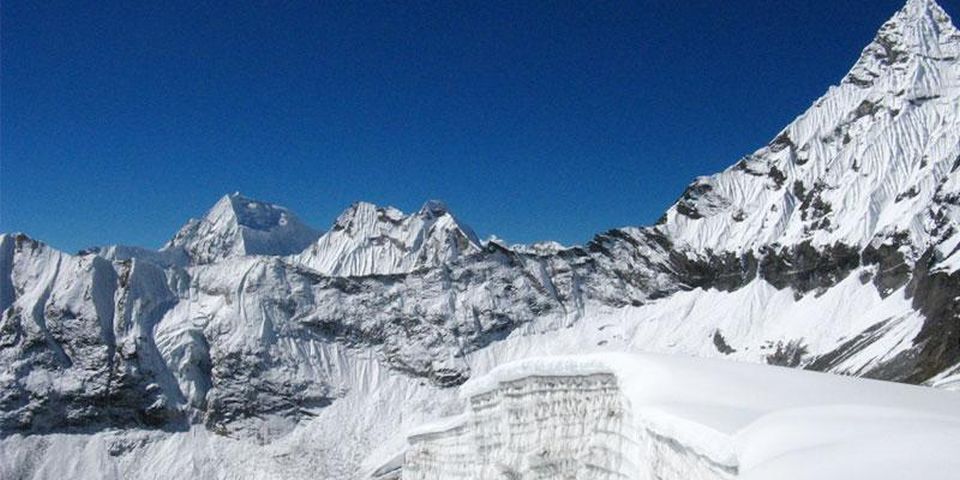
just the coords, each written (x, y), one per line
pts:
(872, 160)
(238, 225)
(367, 239)
(921, 30)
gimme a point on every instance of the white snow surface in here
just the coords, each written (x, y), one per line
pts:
(764, 422)
(368, 240)
(238, 225)
(864, 162)
(249, 285)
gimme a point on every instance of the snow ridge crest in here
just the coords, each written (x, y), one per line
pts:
(920, 30)
(869, 161)
(238, 225)
(367, 239)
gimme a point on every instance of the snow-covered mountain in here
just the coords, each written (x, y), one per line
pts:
(869, 163)
(833, 248)
(368, 240)
(864, 182)
(238, 225)
(235, 226)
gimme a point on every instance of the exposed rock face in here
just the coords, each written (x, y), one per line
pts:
(805, 268)
(935, 294)
(77, 342)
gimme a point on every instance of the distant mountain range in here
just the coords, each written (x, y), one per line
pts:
(832, 248)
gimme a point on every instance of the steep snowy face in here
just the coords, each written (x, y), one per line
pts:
(616, 416)
(371, 240)
(873, 160)
(238, 225)
(864, 184)
(76, 343)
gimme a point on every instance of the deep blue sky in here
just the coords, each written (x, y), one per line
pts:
(533, 120)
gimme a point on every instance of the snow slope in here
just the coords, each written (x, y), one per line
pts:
(367, 240)
(834, 248)
(647, 416)
(238, 225)
(865, 163)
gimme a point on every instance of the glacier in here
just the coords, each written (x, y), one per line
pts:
(254, 346)
(623, 416)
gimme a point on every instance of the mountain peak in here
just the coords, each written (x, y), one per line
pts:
(434, 209)
(865, 163)
(239, 225)
(368, 239)
(920, 13)
(249, 212)
(918, 8)
(363, 216)
(920, 31)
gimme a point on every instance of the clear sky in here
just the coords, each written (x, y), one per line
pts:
(534, 120)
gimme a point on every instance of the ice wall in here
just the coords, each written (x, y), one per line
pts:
(551, 427)
(645, 417)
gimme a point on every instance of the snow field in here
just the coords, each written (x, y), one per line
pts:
(625, 416)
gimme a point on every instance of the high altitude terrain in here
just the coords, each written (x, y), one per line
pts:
(613, 416)
(252, 345)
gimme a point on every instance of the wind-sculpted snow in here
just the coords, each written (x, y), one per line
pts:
(620, 416)
(551, 426)
(833, 248)
(559, 427)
